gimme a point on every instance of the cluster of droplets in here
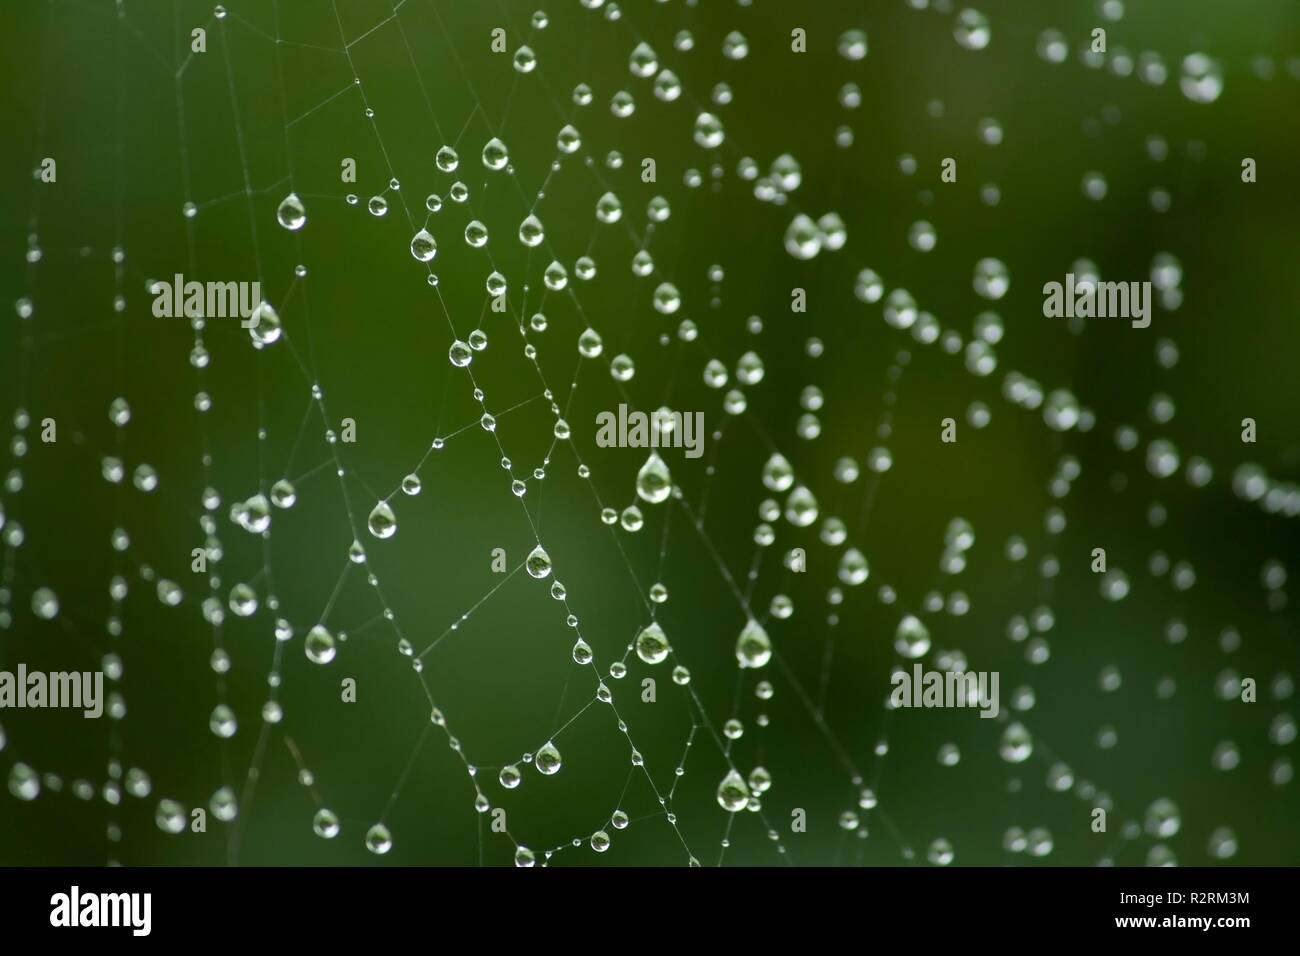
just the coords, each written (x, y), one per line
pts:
(1201, 80)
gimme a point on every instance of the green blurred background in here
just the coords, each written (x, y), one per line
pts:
(97, 87)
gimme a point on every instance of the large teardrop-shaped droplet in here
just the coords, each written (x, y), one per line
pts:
(708, 131)
(753, 647)
(170, 815)
(538, 563)
(652, 644)
(291, 213)
(568, 139)
(778, 475)
(525, 60)
(264, 324)
(801, 507)
(644, 62)
(733, 792)
(319, 645)
(25, 784)
(548, 759)
(495, 155)
(531, 232)
(803, 239)
(853, 567)
(326, 823)
(609, 209)
(912, 638)
(224, 805)
(590, 344)
(460, 354)
(510, 776)
(382, 521)
(378, 840)
(447, 159)
(423, 246)
(653, 482)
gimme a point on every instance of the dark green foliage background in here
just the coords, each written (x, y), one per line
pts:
(96, 91)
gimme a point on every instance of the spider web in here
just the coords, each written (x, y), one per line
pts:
(426, 585)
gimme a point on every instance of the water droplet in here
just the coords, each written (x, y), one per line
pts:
(1162, 819)
(531, 232)
(753, 647)
(495, 155)
(1223, 844)
(972, 30)
(476, 234)
(45, 604)
(911, 638)
(1017, 744)
(708, 131)
(853, 567)
(1052, 46)
(538, 563)
(643, 62)
(653, 482)
(319, 645)
(382, 522)
(609, 209)
(622, 104)
(621, 368)
(568, 140)
(170, 817)
(243, 600)
(852, 44)
(1114, 585)
(749, 369)
(801, 507)
(325, 823)
(1202, 78)
(940, 852)
(222, 722)
(778, 474)
(652, 644)
(423, 246)
(667, 86)
(447, 160)
(264, 324)
(733, 792)
(991, 279)
(590, 344)
(24, 782)
(460, 354)
(631, 519)
(803, 239)
(223, 804)
(283, 494)
(378, 840)
(548, 760)
(510, 777)
(556, 277)
(291, 213)
(525, 60)
(667, 299)
(1226, 756)
(735, 46)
